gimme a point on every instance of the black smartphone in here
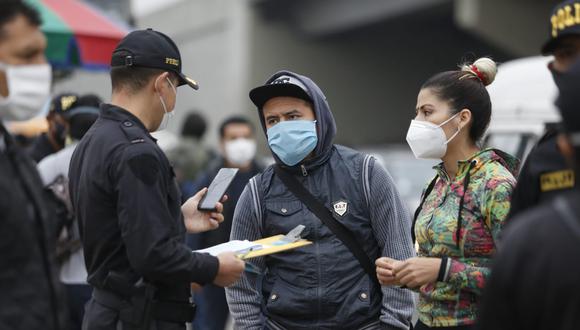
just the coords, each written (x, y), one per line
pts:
(217, 189)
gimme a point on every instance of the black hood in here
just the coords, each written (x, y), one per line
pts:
(325, 124)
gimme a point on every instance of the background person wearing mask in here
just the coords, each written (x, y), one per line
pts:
(127, 202)
(534, 283)
(464, 207)
(322, 285)
(31, 295)
(238, 148)
(191, 156)
(54, 139)
(53, 170)
(546, 173)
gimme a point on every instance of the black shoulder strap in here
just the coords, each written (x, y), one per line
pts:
(134, 133)
(420, 207)
(325, 215)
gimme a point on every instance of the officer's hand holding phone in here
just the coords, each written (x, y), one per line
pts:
(197, 221)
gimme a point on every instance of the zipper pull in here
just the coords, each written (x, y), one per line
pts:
(304, 172)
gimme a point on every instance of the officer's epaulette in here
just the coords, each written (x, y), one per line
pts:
(134, 133)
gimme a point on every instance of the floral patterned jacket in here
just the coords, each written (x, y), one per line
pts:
(472, 207)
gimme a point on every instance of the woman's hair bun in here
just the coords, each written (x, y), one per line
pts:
(483, 69)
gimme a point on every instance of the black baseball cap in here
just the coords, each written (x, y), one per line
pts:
(564, 21)
(61, 103)
(283, 85)
(150, 49)
(69, 105)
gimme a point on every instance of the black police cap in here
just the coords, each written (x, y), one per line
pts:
(61, 103)
(564, 21)
(150, 49)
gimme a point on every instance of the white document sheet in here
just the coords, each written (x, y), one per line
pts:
(231, 246)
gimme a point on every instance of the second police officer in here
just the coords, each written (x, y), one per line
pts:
(546, 173)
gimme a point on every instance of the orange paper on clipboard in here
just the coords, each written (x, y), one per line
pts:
(262, 247)
(271, 245)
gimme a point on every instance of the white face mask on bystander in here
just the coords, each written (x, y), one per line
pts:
(240, 151)
(428, 140)
(28, 90)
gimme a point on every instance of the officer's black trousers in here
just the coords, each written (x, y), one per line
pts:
(99, 317)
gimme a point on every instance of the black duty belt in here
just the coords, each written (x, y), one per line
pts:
(160, 310)
(375, 325)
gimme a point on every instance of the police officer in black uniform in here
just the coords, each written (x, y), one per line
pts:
(534, 280)
(546, 174)
(128, 204)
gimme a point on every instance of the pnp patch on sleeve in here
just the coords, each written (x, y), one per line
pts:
(145, 167)
(557, 180)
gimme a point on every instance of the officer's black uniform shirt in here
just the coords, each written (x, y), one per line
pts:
(534, 279)
(544, 175)
(129, 208)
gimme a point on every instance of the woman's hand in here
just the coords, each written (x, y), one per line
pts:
(385, 273)
(416, 272)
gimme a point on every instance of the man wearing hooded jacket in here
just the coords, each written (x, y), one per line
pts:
(322, 285)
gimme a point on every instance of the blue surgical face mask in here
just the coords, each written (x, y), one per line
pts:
(293, 140)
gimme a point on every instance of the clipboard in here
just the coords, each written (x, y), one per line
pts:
(271, 245)
(262, 247)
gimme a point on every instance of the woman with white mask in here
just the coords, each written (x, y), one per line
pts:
(463, 208)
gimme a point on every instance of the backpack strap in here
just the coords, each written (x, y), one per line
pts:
(327, 217)
(366, 170)
(255, 191)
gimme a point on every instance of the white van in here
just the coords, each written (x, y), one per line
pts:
(522, 98)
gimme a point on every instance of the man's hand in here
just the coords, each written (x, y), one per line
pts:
(197, 221)
(418, 271)
(230, 269)
(385, 270)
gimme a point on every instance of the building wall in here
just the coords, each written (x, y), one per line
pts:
(371, 73)
(212, 38)
(371, 76)
(520, 27)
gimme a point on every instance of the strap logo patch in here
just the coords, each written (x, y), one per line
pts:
(340, 207)
(557, 180)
